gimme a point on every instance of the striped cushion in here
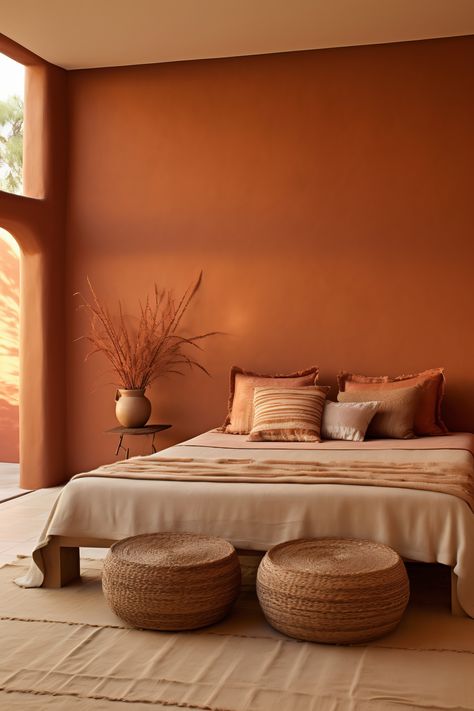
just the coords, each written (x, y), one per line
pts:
(242, 385)
(288, 414)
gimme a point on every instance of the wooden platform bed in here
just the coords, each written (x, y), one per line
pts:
(413, 495)
(63, 565)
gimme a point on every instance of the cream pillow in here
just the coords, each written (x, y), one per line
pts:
(347, 420)
(288, 414)
(395, 416)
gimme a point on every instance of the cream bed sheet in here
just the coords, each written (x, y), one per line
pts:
(420, 525)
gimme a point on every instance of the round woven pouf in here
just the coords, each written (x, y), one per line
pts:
(333, 590)
(171, 581)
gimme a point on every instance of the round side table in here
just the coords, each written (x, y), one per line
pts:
(136, 432)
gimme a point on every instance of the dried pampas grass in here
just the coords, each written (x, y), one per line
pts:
(149, 348)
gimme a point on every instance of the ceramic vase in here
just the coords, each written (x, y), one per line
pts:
(132, 408)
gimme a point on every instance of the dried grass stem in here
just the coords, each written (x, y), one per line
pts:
(141, 353)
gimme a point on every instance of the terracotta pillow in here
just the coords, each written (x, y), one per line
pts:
(395, 416)
(347, 420)
(428, 420)
(288, 414)
(243, 383)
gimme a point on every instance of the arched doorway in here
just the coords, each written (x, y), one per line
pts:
(9, 364)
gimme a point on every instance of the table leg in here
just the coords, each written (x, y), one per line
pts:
(119, 446)
(153, 448)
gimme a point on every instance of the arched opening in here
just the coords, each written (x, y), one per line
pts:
(9, 365)
(12, 84)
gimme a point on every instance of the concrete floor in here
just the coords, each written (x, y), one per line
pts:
(22, 520)
(9, 481)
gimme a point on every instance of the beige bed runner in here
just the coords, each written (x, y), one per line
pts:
(447, 478)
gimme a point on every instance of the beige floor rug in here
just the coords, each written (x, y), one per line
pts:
(64, 649)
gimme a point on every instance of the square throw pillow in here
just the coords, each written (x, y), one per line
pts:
(428, 420)
(243, 383)
(288, 414)
(347, 420)
(395, 416)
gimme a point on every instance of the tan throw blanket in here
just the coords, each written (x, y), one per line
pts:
(456, 480)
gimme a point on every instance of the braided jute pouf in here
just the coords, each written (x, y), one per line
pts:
(333, 590)
(171, 581)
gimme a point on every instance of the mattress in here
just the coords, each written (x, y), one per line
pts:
(421, 525)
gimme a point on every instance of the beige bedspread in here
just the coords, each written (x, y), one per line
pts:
(452, 475)
(421, 525)
(216, 439)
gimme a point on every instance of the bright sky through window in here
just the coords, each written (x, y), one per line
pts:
(12, 78)
(12, 83)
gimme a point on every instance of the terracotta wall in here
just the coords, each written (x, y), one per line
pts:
(327, 196)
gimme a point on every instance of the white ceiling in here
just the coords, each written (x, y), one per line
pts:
(99, 33)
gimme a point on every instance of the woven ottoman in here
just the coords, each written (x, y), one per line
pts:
(333, 590)
(171, 581)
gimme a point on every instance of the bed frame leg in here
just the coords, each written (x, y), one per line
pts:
(456, 608)
(61, 564)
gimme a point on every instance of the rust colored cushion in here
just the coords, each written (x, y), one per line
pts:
(428, 420)
(242, 385)
(288, 414)
(395, 416)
